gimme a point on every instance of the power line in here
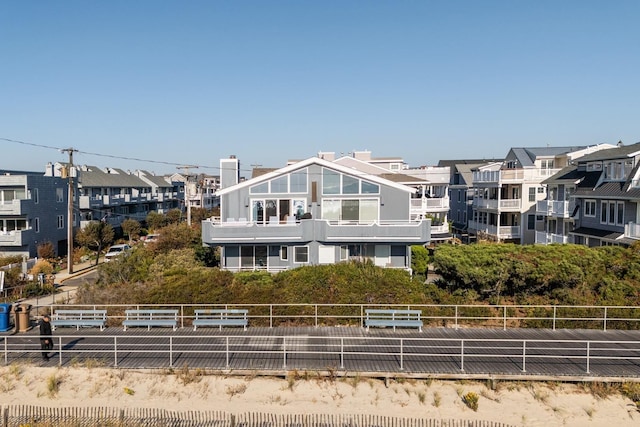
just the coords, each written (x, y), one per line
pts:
(111, 156)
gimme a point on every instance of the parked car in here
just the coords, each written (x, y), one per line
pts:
(151, 238)
(115, 251)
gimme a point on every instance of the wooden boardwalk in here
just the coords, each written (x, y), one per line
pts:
(433, 353)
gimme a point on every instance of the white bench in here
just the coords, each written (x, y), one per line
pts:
(221, 317)
(393, 318)
(149, 318)
(78, 318)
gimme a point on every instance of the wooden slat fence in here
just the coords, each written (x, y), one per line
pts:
(36, 416)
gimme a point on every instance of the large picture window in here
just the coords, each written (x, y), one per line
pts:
(295, 182)
(352, 210)
(337, 183)
(270, 211)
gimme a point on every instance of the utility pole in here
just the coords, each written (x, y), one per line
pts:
(70, 211)
(187, 192)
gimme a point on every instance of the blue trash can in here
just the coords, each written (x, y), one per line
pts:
(5, 309)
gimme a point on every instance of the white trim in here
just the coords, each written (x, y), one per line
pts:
(320, 162)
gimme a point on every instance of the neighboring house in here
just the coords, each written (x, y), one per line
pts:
(461, 194)
(33, 210)
(430, 199)
(506, 193)
(313, 212)
(595, 201)
(114, 195)
(200, 189)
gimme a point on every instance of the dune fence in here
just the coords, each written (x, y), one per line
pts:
(37, 416)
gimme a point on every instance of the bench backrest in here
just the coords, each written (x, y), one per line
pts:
(80, 314)
(151, 314)
(393, 314)
(221, 313)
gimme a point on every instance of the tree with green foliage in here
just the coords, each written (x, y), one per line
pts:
(131, 228)
(155, 220)
(419, 261)
(174, 216)
(177, 236)
(95, 235)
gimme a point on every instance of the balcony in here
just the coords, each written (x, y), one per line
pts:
(632, 230)
(13, 238)
(426, 205)
(512, 175)
(500, 233)
(544, 238)
(553, 208)
(12, 207)
(241, 231)
(503, 205)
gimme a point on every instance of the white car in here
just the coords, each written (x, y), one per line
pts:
(116, 250)
(151, 238)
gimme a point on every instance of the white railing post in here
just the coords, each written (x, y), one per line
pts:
(605, 319)
(316, 314)
(456, 319)
(504, 318)
(270, 316)
(524, 356)
(171, 351)
(554, 318)
(341, 353)
(115, 352)
(401, 354)
(462, 355)
(588, 354)
(284, 352)
(226, 351)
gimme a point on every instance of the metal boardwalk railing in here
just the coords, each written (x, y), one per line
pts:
(448, 315)
(435, 352)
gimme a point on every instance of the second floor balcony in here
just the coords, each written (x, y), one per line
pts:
(502, 205)
(426, 205)
(216, 232)
(13, 207)
(105, 200)
(499, 233)
(554, 208)
(544, 238)
(632, 230)
(14, 237)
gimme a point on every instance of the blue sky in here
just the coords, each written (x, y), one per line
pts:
(190, 82)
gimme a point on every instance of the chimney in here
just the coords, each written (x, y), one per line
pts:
(229, 172)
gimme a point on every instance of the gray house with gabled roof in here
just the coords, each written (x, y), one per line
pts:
(314, 212)
(602, 190)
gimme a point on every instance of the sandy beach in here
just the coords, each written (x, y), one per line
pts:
(513, 403)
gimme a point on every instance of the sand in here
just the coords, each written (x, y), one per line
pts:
(514, 403)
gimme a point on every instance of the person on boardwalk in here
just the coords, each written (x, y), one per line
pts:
(46, 338)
